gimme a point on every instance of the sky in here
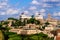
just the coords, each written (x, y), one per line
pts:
(14, 8)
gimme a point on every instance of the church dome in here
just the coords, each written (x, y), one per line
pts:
(39, 16)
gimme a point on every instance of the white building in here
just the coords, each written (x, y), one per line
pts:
(50, 27)
(23, 16)
(38, 16)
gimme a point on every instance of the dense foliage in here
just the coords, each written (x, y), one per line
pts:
(40, 36)
(12, 18)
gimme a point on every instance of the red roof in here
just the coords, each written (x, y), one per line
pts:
(57, 37)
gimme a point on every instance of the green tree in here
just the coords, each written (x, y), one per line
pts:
(14, 37)
(0, 26)
(33, 20)
(5, 22)
(12, 19)
(47, 23)
(37, 22)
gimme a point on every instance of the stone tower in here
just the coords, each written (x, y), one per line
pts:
(49, 17)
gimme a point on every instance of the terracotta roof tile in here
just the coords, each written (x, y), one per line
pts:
(57, 37)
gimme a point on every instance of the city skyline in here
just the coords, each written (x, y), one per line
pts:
(13, 8)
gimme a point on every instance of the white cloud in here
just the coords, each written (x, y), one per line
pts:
(56, 14)
(56, 17)
(6, 9)
(50, 5)
(54, 0)
(41, 3)
(58, 4)
(46, 5)
(44, 14)
(36, 13)
(4, 0)
(42, 10)
(35, 2)
(50, 0)
(26, 12)
(32, 8)
(2, 13)
(1, 6)
(47, 0)
(3, 3)
(9, 12)
(12, 11)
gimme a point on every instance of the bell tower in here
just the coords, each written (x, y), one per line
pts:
(49, 17)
